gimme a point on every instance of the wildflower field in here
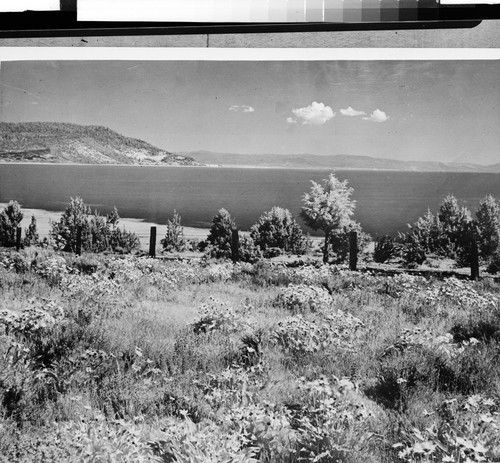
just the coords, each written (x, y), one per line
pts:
(108, 358)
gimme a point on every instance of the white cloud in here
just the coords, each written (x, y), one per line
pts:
(242, 108)
(377, 116)
(350, 111)
(314, 114)
(291, 120)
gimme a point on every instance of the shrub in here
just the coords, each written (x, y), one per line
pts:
(413, 251)
(123, 241)
(98, 233)
(278, 229)
(339, 241)
(31, 237)
(385, 249)
(494, 265)
(220, 236)
(10, 218)
(303, 298)
(445, 234)
(488, 223)
(174, 236)
(248, 251)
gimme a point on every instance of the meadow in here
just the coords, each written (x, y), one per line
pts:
(114, 358)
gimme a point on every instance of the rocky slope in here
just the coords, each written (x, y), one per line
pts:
(72, 143)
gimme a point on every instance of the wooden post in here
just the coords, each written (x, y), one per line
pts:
(78, 249)
(19, 231)
(353, 250)
(235, 246)
(474, 258)
(152, 242)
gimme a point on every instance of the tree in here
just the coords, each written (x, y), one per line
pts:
(488, 223)
(174, 236)
(98, 233)
(64, 232)
(278, 229)
(10, 219)
(221, 234)
(31, 235)
(328, 208)
(454, 219)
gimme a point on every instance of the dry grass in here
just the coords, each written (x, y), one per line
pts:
(126, 349)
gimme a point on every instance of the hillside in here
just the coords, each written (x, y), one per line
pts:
(72, 143)
(311, 161)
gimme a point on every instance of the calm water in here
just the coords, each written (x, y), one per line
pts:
(386, 201)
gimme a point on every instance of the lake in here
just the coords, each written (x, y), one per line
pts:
(386, 200)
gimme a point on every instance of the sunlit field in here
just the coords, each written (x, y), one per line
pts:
(108, 358)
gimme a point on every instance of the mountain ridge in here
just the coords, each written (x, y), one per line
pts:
(338, 161)
(62, 142)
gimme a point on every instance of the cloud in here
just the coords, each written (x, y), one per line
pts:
(242, 108)
(291, 120)
(377, 116)
(350, 111)
(314, 114)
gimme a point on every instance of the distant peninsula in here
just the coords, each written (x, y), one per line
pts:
(54, 142)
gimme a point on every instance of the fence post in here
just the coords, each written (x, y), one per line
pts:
(474, 258)
(78, 249)
(235, 246)
(353, 250)
(152, 242)
(18, 238)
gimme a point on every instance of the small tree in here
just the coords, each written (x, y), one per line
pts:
(454, 220)
(64, 232)
(31, 235)
(278, 229)
(328, 208)
(221, 234)
(488, 223)
(340, 241)
(174, 236)
(10, 219)
(385, 249)
(98, 233)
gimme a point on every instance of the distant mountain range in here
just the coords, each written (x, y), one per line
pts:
(55, 142)
(72, 143)
(341, 161)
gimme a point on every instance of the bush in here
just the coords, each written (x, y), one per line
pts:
(488, 222)
(248, 251)
(98, 233)
(10, 218)
(31, 237)
(385, 249)
(413, 252)
(123, 241)
(221, 234)
(174, 236)
(278, 229)
(494, 265)
(339, 241)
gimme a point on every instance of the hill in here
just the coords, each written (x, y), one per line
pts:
(83, 144)
(311, 161)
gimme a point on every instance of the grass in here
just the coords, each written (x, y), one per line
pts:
(130, 359)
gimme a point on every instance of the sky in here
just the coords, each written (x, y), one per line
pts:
(407, 110)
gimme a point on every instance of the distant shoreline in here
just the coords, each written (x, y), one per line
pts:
(237, 166)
